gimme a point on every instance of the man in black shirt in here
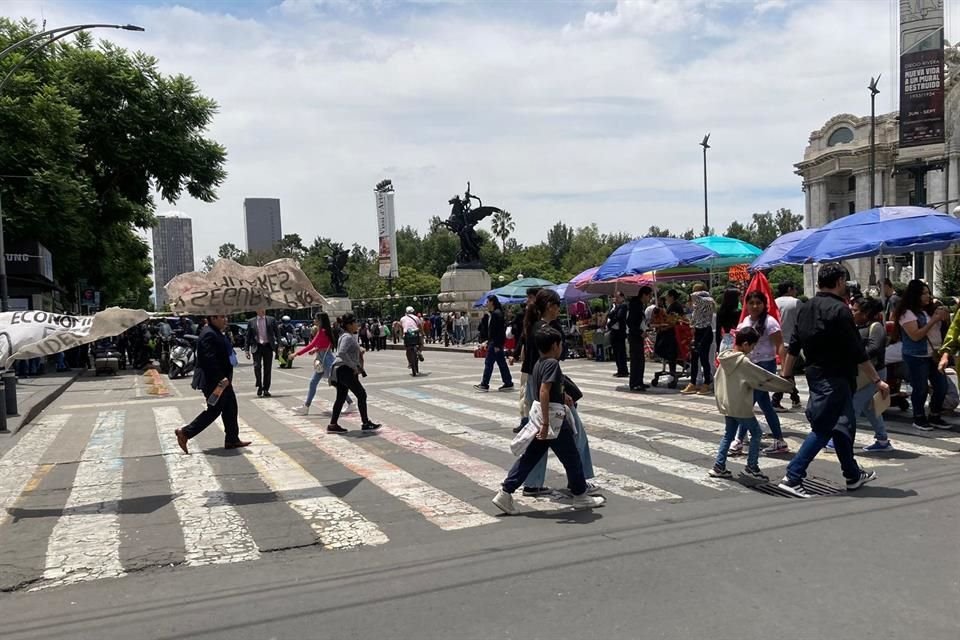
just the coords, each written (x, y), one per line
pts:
(833, 350)
(617, 324)
(637, 326)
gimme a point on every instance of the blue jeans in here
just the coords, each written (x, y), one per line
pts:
(565, 447)
(538, 475)
(498, 355)
(328, 359)
(762, 398)
(830, 412)
(922, 371)
(732, 426)
(861, 407)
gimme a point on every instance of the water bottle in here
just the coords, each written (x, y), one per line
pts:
(214, 397)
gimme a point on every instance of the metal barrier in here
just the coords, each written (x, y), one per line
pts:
(10, 392)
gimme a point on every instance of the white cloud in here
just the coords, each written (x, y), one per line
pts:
(596, 122)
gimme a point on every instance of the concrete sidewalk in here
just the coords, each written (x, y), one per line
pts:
(35, 394)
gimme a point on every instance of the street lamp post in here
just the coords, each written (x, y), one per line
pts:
(873, 160)
(706, 217)
(45, 39)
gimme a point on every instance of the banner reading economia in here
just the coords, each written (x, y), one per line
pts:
(387, 231)
(921, 73)
(33, 334)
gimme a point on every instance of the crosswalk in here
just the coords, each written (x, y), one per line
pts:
(431, 469)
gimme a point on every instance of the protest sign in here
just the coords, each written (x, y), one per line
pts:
(230, 288)
(32, 334)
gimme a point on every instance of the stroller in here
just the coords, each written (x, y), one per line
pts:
(672, 347)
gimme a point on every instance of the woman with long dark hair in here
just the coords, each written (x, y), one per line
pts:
(545, 311)
(322, 346)
(916, 326)
(345, 376)
(728, 314)
(764, 354)
(496, 347)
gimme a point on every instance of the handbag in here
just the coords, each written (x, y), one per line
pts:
(571, 389)
(318, 362)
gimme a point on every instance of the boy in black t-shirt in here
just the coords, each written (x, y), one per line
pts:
(548, 381)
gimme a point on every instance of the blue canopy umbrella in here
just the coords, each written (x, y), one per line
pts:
(883, 230)
(504, 299)
(569, 293)
(651, 254)
(773, 255)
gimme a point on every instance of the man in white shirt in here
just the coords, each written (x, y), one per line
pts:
(262, 341)
(412, 328)
(788, 305)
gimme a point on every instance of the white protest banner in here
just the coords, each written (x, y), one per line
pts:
(31, 334)
(230, 288)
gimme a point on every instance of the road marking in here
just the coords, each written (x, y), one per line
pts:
(615, 483)
(336, 524)
(438, 507)
(85, 542)
(663, 464)
(21, 462)
(213, 530)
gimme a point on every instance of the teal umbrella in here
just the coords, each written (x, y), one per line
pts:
(518, 288)
(730, 251)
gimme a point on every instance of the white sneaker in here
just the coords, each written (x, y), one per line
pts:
(302, 410)
(504, 502)
(586, 501)
(350, 408)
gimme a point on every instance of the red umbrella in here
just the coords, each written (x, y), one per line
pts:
(760, 283)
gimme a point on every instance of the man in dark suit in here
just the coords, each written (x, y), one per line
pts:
(214, 373)
(617, 324)
(262, 341)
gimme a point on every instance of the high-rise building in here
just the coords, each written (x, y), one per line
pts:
(261, 223)
(172, 251)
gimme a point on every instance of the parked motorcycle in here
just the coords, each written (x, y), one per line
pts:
(285, 353)
(183, 356)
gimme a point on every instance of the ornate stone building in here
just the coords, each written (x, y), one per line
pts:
(836, 173)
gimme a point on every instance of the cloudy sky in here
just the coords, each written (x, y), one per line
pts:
(555, 110)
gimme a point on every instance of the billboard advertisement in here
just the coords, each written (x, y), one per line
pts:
(387, 230)
(921, 73)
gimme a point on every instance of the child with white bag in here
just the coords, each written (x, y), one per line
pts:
(549, 428)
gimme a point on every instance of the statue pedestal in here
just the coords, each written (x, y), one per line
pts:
(459, 289)
(336, 307)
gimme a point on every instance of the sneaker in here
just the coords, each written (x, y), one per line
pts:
(865, 477)
(779, 408)
(796, 406)
(504, 502)
(335, 428)
(794, 487)
(879, 445)
(585, 501)
(690, 389)
(536, 492)
(778, 446)
(753, 473)
(484, 388)
(922, 424)
(736, 448)
(506, 387)
(939, 423)
(720, 472)
(706, 390)
(370, 426)
(302, 410)
(594, 489)
(640, 387)
(830, 445)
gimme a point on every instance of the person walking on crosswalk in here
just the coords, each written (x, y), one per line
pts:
(345, 376)
(834, 351)
(214, 377)
(322, 346)
(496, 348)
(737, 379)
(548, 379)
(261, 341)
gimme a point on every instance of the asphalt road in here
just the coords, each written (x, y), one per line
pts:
(105, 496)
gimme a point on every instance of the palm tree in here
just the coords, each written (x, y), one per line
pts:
(503, 226)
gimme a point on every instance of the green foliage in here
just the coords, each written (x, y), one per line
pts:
(765, 227)
(503, 226)
(948, 276)
(559, 240)
(786, 273)
(96, 130)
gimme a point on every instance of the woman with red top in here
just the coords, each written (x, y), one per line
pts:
(322, 345)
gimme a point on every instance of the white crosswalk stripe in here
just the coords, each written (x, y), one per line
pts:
(435, 505)
(85, 543)
(19, 464)
(213, 531)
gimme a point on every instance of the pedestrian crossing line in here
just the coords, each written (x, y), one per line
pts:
(489, 476)
(657, 461)
(85, 542)
(21, 462)
(335, 523)
(438, 507)
(214, 532)
(615, 483)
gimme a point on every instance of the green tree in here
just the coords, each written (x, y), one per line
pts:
(948, 275)
(503, 226)
(657, 232)
(97, 130)
(290, 246)
(764, 228)
(559, 240)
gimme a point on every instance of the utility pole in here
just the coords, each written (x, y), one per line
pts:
(706, 216)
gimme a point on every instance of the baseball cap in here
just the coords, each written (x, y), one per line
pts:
(409, 309)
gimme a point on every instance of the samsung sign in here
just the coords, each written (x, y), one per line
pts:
(30, 259)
